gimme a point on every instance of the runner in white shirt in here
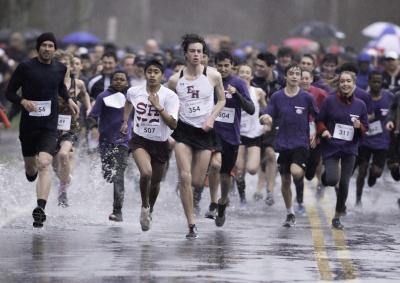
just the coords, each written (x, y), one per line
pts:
(195, 86)
(156, 115)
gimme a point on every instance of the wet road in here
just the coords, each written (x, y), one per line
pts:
(79, 244)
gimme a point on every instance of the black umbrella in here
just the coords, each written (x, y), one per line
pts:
(317, 30)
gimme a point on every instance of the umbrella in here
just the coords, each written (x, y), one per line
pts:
(81, 38)
(301, 44)
(387, 42)
(377, 28)
(317, 30)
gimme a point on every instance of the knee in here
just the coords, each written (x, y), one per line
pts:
(252, 171)
(376, 171)
(215, 164)
(43, 163)
(296, 171)
(185, 178)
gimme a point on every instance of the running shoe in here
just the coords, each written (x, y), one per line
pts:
(258, 196)
(243, 204)
(145, 219)
(115, 216)
(220, 219)
(192, 232)
(290, 221)
(39, 216)
(336, 224)
(212, 211)
(398, 202)
(300, 209)
(269, 200)
(371, 179)
(395, 172)
(63, 199)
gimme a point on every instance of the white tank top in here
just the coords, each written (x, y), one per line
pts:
(250, 124)
(196, 99)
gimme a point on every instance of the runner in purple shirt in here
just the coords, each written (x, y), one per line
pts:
(227, 133)
(108, 112)
(342, 120)
(291, 108)
(376, 142)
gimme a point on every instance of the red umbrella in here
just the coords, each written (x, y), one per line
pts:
(301, 44)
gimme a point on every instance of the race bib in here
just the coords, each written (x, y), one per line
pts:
(375, 128)
(43, 108)
(195, 108)
(64, 122)
(149, 130)
(227, 115)
(343, 132)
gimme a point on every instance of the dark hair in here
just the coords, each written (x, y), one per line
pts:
(308, 55)
(284, 51)
(120, 71)
(154, 62)
(267, 57)
(330, 58)
(85, 56)
(110, 54)
(374, 73)
(222, 55)
(192, 38)
(349, 67)
(292, 66)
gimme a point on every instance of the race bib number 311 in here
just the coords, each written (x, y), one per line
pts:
(43, 108)
(343, 132)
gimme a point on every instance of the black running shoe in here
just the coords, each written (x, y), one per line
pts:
(220, 219)
(192, 232)
(336, 224)
(38, 217)
(290, 221)
(398, 202)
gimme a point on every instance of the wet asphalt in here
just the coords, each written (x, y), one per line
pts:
(79, 244)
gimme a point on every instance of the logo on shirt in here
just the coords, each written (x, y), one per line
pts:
(192, 91)
(147, 113)
(227, 94)
(299, 110)
(354, 117)
(384, 112)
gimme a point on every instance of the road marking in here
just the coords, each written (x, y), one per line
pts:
(340, 243)
(318, 237)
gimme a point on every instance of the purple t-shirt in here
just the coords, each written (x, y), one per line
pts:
(110, 120)
(378, 137)
(291, 115)
(333, 113)
(227, 124)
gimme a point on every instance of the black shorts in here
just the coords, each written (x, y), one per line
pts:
(249, 142)
(38, 141)
(229, 153)
(158, 151)
(297, 156)
(268, 140)
(378, 156)
(194, 137)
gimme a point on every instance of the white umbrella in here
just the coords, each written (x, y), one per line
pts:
(387, 42)
(377, 28)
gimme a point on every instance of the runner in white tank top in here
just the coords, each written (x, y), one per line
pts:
(195, 121)
(251, 130)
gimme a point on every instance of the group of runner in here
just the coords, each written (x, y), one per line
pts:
(221, 123)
